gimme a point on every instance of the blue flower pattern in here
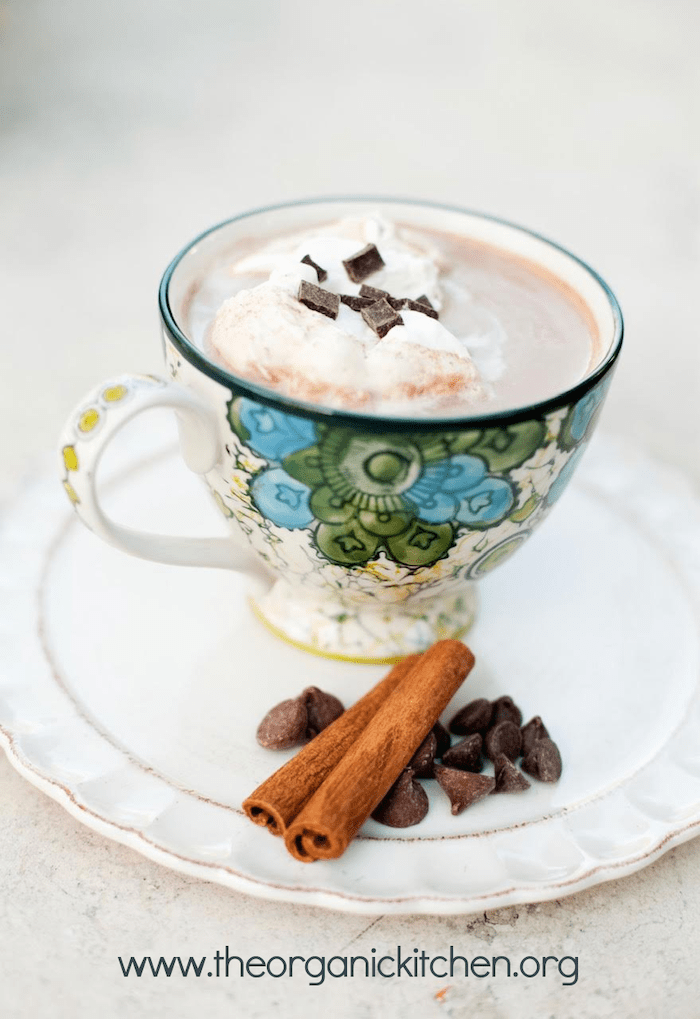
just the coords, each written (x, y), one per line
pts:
(281, 499)
(577, 426)
(273, 434)
(457, 488)
(564, 476)
(460, 489)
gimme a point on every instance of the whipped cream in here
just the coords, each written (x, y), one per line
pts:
(266, 334)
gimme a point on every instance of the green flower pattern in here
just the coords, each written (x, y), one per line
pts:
(407, 496)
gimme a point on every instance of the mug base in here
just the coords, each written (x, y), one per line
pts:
(369, 635)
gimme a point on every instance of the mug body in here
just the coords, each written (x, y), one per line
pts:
(374, 527)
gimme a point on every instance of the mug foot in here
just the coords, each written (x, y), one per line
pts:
(372, 635)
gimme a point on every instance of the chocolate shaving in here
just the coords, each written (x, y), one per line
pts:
(503, 738)
(465, 755)
(543, 761)
(532, 732)
(463, 787)
(505, 710)
(421, 764)
(443, 738)
(321, 274)
(420, 306)
(319, 299)
(356, 303)
(508, 778)
(374, 292)
(381, 317)
(474, 717)
(322, 708)
(284, 726)
(404, 805)
(363, 263)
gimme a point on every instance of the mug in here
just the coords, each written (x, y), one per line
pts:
(362, 534)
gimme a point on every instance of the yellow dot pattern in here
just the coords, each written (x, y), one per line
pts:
(71, 492)
(88, 419)
(70, 458)
(114, 393)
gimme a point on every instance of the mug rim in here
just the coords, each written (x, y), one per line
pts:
(356, 419)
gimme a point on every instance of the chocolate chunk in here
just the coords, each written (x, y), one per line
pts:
(356, 303)
(543, 761)
(443, 739)
(319, 299)
(405, 804)
(321, 274)
(421, 764)
(322, 708)
(532, 732)
(374, 292)
(475, 717)
(284, 725)
(424, 299)
(419, 306)
(504, 710)
(381, 317)
(397, 303)
(465, 755)
(503, 738)
(363, 263)
(463, 787)
(508, 778)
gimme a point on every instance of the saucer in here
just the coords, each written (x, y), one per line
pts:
(130, 692)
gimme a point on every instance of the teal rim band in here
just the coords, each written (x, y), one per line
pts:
(367, 422)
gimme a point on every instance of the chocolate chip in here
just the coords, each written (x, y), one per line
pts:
(443, 739)
(405, 804)
(421, 764)
(504, 710)
(543, 761)
(356, 303)
(532, 732)
(503, 738)
(508, 778)
(465, 755)
(381, 317)
(374, 292)
(363, 263)
(319, 299)
(284, 725)
(424, 299)
(321, 274)
(420, 306)
(474, 717)
(463, 787)
(322, 708)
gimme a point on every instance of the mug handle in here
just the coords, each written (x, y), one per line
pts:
(88, 432)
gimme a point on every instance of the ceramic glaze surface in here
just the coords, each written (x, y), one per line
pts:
(130, 691)
(372, 528)
(379, 532)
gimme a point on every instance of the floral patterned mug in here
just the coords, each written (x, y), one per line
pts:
(363, 533)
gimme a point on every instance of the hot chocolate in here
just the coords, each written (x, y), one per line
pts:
(367, 315)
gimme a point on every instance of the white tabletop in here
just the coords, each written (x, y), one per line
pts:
(129, 128)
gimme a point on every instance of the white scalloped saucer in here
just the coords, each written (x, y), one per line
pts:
(130, 693)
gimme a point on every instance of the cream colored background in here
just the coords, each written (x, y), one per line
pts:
(125, 129)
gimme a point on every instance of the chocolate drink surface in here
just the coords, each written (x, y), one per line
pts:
(374, 316)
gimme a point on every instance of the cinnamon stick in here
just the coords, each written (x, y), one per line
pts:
(279, 799)
(343, 802)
